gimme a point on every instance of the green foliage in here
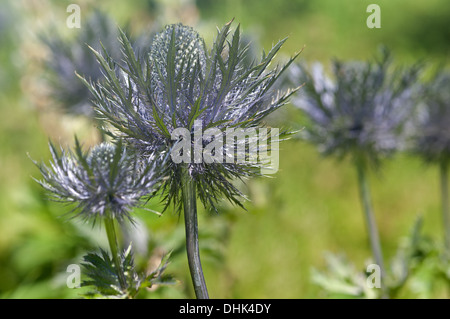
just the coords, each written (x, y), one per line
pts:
(419, 267)
(103, 277)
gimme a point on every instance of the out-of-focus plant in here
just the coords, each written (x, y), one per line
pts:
(432, 138)
(106, 184)
(181, 83)
(414, 271)
(101, 273)
(70, 55)
(361, 113)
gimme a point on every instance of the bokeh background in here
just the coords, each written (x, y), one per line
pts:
(308, 208)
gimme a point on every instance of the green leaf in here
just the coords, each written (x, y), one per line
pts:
(195, 112)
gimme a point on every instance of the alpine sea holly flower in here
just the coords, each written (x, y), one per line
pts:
(104, 183)
(181, 83)
(432, 138)
(362, 112)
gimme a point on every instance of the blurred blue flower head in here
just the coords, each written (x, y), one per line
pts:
(70, 55)
(432, 138)
(181, 82)
(362, 111)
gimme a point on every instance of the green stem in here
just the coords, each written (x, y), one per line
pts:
(445, 206)
(114, 247)
(375, 245)
(192, 247)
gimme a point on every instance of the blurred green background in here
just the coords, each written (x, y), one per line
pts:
(311, 206)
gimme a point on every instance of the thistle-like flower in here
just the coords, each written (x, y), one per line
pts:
(182, 85)
(362, 112)
(67, 56)
(432, 138)
(104, 182)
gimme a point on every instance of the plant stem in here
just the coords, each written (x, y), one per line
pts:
(375, 245)
(112, 240)
(445, 206)
(192, 247)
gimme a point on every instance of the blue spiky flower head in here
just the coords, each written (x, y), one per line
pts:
(180, 83)
(361, 111)
(104, 182)
(69, 55)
